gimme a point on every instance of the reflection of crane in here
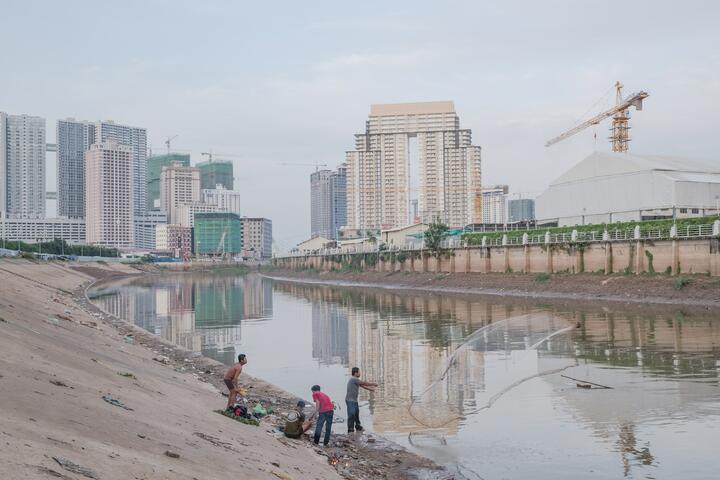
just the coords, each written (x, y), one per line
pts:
(221, 243)
(167, 142)
(621, 114)
(316, 165)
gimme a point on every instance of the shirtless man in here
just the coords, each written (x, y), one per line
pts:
(231, 378)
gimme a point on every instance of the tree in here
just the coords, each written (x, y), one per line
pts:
(433, 238)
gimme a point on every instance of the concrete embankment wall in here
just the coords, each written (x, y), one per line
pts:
(694, 256)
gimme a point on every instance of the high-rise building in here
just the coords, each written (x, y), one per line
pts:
(494, 204)
(73, 140)
(257, 238)
(218, 233)
(152, 175)
(328, 202)
(178, 186)
(109, 195)
(225, 200)
(413, 151)
(214, 172)
(136, 139)
(521, 210)
(22, 166)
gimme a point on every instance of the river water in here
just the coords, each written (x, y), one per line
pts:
(475, 383)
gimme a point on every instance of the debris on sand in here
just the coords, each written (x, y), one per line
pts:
(114, 401)
(75, 468)
(170, 454)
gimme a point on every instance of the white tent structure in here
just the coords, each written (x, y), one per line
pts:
(614, 187)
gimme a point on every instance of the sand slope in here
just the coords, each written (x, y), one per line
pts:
(54, 371)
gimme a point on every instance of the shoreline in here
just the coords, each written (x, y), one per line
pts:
(377, 455)
(170, 392)
(697, 292)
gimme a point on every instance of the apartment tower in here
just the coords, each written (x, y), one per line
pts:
(22, 166)
(73, 140)
(413, 152)
(494, 204)
(178, 186)
(328, 202)
(109, 195)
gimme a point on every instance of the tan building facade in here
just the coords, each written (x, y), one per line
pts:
(179, 185)
(383, 181)
(174, 238)
(109, 195)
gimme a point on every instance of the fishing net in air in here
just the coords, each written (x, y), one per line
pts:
(489, 363)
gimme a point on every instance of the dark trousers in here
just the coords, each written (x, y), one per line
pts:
(325, 418)
(353, 415)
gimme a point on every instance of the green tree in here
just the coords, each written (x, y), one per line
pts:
(433, 238)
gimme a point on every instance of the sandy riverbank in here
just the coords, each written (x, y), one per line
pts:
(692, 290)
(59, 355)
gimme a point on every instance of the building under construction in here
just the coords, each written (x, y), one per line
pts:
(216, 172)
(217, 234)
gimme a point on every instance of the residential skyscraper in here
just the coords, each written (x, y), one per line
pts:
(109, 195)
(521, 210)
(214, 172)
(22, 166)
(383, 178)
(178, 186)
(73, 140)
(494, 204)
(225, 200)
(154, 166)
(328, 202)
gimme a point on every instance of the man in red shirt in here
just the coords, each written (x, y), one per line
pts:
(324, 408)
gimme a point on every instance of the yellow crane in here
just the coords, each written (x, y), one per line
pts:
(619, 136)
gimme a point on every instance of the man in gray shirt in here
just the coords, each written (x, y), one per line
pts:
(351, 399)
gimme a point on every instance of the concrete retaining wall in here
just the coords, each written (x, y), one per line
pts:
(637, 256)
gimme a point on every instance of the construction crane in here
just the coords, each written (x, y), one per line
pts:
(211, 154)
(619, 136)
(167, 142)
(316, 165)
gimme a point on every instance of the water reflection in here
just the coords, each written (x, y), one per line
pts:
(467, 380)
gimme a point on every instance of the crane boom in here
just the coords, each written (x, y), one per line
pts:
(634, 100)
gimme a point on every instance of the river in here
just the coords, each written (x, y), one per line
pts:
(475, 383)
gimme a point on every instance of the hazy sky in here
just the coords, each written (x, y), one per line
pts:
(292, 81)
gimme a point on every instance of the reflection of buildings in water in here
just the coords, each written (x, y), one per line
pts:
(329, 333)
(218, 302)
(397, 354)
(258, 297)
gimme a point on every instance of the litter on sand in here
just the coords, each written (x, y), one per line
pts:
(75, 468)
(114, 401)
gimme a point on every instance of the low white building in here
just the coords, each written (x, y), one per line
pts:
(313, 244)
(614, 187)
(186, 213)
(401, 237)
(31, 230)
(226, 200)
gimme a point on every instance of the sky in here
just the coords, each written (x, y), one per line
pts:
(292, 82)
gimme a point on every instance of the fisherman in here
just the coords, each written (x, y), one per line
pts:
(351, 399)
(296, 424)
(231, 380)
(324, 408)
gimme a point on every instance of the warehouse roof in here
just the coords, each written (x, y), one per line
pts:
(603, 164)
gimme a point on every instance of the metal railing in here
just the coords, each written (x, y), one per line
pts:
(536, 238)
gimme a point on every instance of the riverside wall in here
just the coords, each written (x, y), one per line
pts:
(691, 256)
